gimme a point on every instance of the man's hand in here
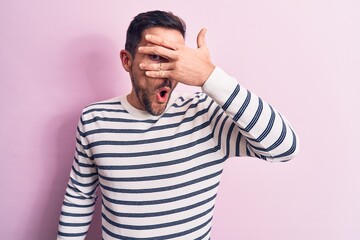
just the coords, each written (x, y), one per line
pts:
(184, 64)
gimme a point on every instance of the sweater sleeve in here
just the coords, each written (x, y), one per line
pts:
(250, 126)
(79, 201)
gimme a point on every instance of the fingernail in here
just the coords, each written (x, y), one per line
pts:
(139, 49)
(141, 65)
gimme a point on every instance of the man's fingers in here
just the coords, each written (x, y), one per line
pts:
(201, 38)
(163, 66)
(157, 70)
(161, 42)
(157, 50)
(158, 74)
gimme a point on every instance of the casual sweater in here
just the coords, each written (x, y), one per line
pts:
(159, 175)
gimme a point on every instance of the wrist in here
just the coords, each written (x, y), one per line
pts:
(207, 73)
(219, 86)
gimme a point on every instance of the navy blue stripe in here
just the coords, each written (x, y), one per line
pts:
(231, 98)
(157, 214)
(248, 149)
(74, 224)
(82, 123)
(230, 131)
(217, 120)
(193, 105)
(162, 189)
(152, 140)
(256, 117)
(83, 174)
(104, 103)
(158, 237)
(281, 137)
(78, 191)
(113, 130)
(292, 148)
(201, 98)
(84, 164)
(220, 132)
(77, 197)
(77, 205)
(219, 115)
(175, 114)
(202, 236)
(154, 152)
(71, 234)
(237, 145)
(160, 201)
(119, 120)
(166, 176)
(103, 110)
(84, 155)
(268, 128)
(243, 107)
(277, 142)
(76, 214)
(83, 184)
(160, 164)
(157, 226)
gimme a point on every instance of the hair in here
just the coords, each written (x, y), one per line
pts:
(151, 19)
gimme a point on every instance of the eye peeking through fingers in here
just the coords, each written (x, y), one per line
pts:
(155, 57)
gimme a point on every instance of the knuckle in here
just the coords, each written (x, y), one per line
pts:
(157, 50)
(170, 75)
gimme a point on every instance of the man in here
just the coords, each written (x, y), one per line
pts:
(158, 155)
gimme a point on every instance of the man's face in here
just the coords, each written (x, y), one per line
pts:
(151, 94)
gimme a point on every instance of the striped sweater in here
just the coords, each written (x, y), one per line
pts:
(159, 175)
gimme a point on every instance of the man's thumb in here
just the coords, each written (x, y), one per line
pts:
(201, 38)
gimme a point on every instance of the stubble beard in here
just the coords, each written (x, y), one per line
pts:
(144, 96)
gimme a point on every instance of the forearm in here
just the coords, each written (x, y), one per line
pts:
(76, 214)
(267, 134)
(79, 201)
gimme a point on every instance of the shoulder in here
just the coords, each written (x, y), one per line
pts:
(191, 103)
(108, 105)
(186, 99)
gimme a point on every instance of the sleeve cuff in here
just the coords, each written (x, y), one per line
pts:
(219, 86)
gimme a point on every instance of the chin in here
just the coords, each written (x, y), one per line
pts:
(156, 111)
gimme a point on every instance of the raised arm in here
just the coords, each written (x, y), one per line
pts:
(260, 130)
(250, 126)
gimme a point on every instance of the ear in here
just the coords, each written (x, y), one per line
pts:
(126, 59)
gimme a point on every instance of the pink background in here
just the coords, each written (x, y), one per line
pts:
(301, 56)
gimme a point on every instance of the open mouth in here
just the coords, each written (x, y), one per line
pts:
(162, 95)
